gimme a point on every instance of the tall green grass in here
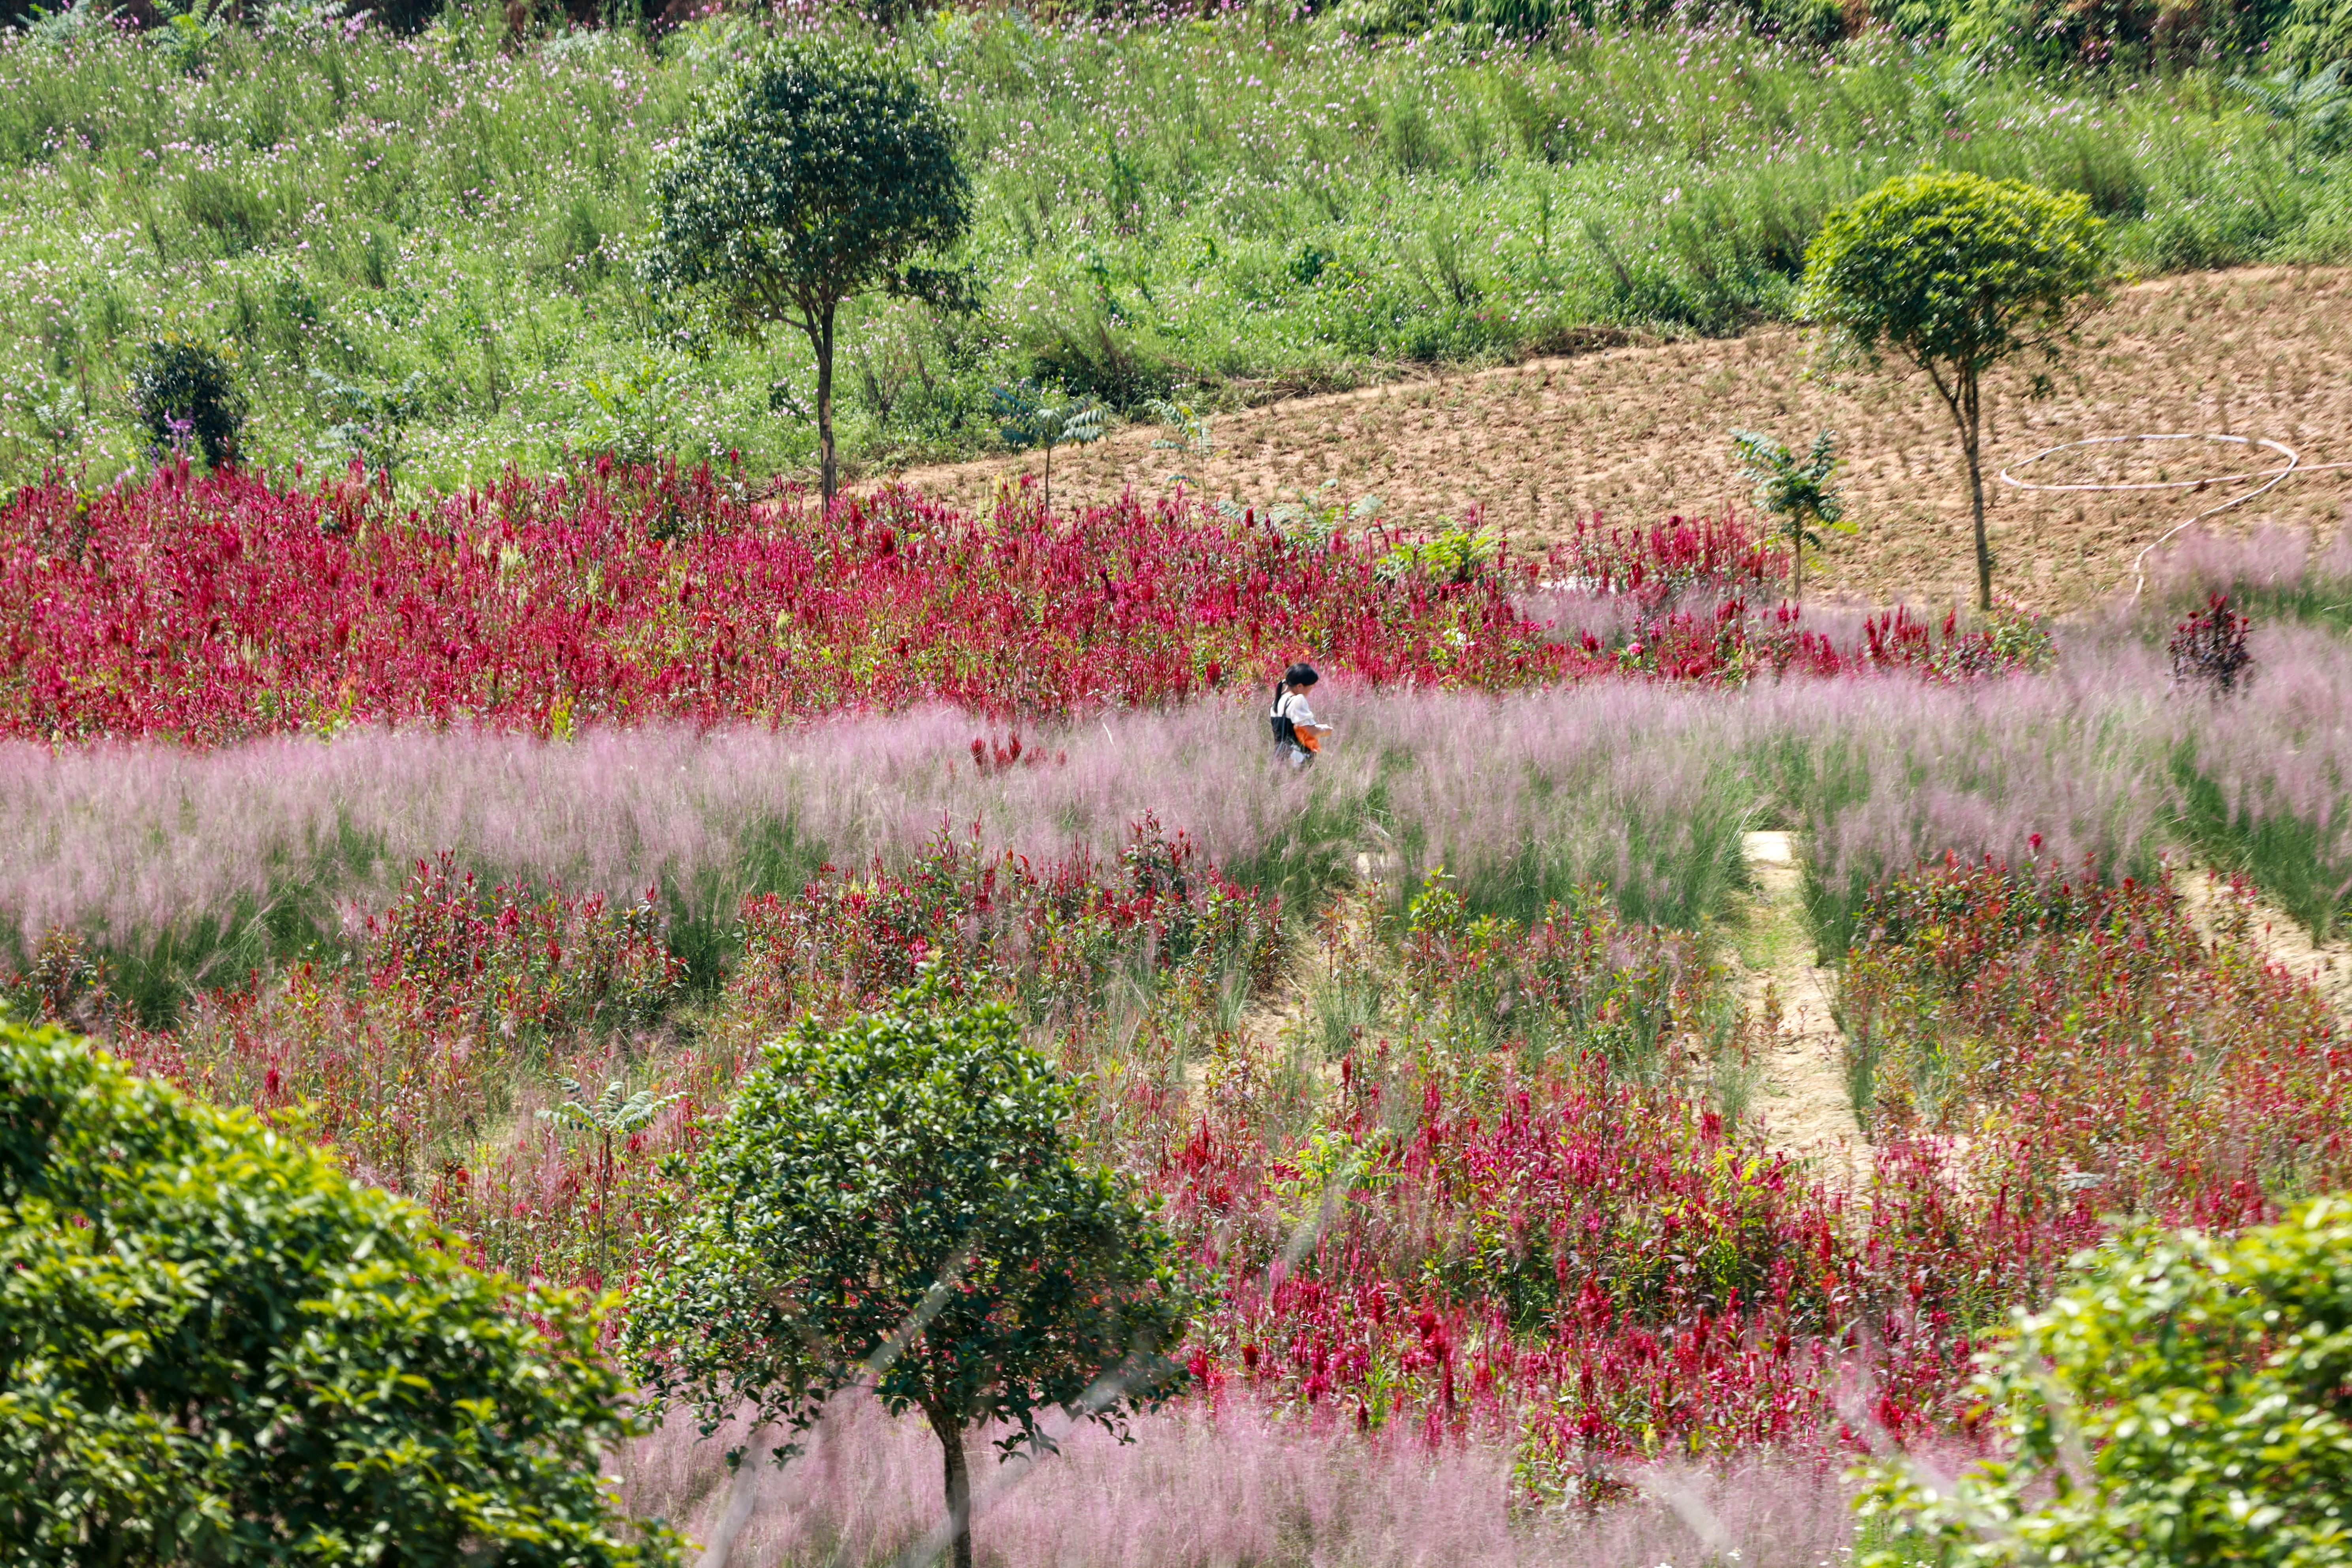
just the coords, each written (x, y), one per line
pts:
(1216, 205)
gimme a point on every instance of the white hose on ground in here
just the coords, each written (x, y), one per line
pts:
(2270, 479)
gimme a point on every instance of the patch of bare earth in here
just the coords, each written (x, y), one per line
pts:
(1639, 433)
(1801, 1099)
(2278, 938)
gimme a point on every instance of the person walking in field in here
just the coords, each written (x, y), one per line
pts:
(1297, 736)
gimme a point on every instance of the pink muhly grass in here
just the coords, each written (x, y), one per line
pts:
(1642, 785)
(1203, 1487)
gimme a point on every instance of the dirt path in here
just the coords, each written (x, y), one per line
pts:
(1642, 432)
(2327, 965)
(1802, 1098)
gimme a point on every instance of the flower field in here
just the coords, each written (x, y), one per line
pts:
(208, 609)
(445, 835)
(1495, 1186)
(647, 653)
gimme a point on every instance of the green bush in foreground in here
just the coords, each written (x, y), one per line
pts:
(220, 1349)
(892, 1202)
(2186, 1400)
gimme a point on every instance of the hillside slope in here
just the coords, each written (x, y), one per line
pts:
(1639, 432)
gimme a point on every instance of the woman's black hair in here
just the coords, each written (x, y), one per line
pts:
(1299, 674)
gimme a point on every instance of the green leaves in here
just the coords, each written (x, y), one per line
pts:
(1796, 491)
(614, 1113)
(2314, 109)
(2184, 1402)
(222, 1350)
(821, 170)
(1955, 271)
(1029, 415)
(892, 1202)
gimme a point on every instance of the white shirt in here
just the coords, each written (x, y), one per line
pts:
(1293, 708)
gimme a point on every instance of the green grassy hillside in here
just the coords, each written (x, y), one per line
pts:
(424, 244)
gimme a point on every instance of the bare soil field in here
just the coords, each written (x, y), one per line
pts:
(1638, 433)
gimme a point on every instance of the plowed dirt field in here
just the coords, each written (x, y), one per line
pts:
(1639, 432)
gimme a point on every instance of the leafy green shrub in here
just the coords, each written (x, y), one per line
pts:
(892, 1202)
(1957, 274)
(185, 393)
(2184, 1401)
(221, 1350)
(1452, 555)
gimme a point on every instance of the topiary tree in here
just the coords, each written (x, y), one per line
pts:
(821, 170)
(220, 1350)
(1957, 274)
(892, 1202)
(2184, 1401)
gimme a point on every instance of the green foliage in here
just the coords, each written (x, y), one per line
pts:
(187, 30)
(185, 393)
(2313, 108)
(466, 208)
(1957, 274)
(223, 1350)
(821, 170)
(614, 1114)
(372, 422)
(893, 1202)
(78, 22)
(1796, 491)
(2184, 1401)
(1029, 415)
(2315, 33)
(1188, 427)
(1452, 555)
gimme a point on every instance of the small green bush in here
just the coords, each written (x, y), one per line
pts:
(2186, 1400)
(217, 1348)
(185, 393)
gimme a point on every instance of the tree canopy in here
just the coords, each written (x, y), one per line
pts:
(222, 1350)
(2185, 1400)
(1957, 274)
(821, 169)
(892, 1202)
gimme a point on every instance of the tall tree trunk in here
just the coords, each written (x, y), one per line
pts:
(1970, 431)
(830, 469)
(959, 1486)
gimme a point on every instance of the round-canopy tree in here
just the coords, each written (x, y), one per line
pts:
(891, 1203)
(1956, 274)
(216, 1348)
(821, 170)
